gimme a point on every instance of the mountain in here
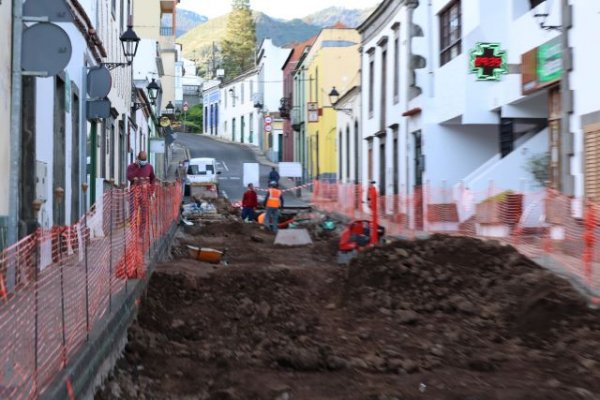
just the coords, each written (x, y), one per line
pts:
(282, 32)
(187, 20)
(197, 41)
(332, 15)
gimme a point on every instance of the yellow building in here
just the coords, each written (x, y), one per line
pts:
(333, 60)
(156, 19)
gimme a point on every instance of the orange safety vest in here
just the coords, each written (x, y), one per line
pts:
(274, 200)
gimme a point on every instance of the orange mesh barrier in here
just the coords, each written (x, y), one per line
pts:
(545, 225)
(57, 283)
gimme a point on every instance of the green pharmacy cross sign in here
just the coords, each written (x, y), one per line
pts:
(488, 61)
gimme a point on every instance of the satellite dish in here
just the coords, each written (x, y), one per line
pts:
(54, 10)
(99, 82)
(46, 48)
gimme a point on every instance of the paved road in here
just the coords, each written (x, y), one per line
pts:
(230, 159)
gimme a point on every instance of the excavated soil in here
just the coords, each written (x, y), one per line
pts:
(444, 318)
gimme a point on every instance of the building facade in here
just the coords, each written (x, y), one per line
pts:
(269, 96)
(238, 112)
(349, 140)
(337, 46)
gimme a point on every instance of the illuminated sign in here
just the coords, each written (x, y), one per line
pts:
(541, 66)
(488, 62)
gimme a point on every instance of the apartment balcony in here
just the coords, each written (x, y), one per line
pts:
(167, 31)
(168, 6)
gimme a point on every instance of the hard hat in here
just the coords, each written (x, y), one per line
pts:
(272, 183)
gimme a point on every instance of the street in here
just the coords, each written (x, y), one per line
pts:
(230, 159)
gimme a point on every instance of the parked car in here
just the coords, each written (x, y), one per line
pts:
(202, 178)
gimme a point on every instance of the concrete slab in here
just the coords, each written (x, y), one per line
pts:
(293, 237)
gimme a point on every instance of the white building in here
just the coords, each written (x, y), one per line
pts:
(436, 115)
(269, 95)
(349, 140)
(385, 92)
(238, 114)
(192, 83)
(584, 122)
(146, 67)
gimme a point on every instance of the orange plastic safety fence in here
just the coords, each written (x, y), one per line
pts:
(57, 283)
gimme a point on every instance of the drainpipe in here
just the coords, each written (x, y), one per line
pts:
(15, 123)
(410, 8)
(567, 145)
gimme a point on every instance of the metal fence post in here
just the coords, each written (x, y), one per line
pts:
(125, 228)
(37, 206)
(110, 257)
(59, 194)
(84, 188)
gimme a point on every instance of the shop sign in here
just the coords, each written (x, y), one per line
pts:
(488, 61)
(541, 66)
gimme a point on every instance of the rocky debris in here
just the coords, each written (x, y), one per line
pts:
(443, 318)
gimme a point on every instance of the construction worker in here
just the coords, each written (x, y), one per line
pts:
(249, 203)
(273, 202)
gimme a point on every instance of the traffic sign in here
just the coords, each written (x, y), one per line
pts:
(185, 108)
(268, 120)
(268, 128)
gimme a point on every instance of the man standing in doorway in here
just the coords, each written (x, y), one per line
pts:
(249, 203)
(273, 202)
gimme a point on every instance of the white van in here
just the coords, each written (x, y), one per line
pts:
(202, 177)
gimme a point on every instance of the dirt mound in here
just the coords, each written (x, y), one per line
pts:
(444, 318)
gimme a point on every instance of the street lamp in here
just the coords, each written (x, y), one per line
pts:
(177, 113)
(334, 96)
(130, 42)
(153, 89)
(170, 108)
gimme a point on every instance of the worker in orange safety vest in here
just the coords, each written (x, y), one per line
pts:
(273, 203)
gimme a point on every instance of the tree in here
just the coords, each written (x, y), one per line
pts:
(239, 44)
(539, 166)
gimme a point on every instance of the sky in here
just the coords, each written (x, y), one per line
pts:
(285, 9)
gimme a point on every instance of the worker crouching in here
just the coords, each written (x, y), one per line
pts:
(273, 203)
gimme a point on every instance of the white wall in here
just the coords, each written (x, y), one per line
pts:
(243, 108)
(453, 151)
(583, 79)
(271, 85)
(5, 104)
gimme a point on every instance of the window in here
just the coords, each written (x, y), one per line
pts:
(114, 7)
(317, 84)
(396, 63)
(251, 122)
(242, 87)
(450, 32)
(205, 118)
(122, 16)
(251, 88)
(371, 86)
(383, 89)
